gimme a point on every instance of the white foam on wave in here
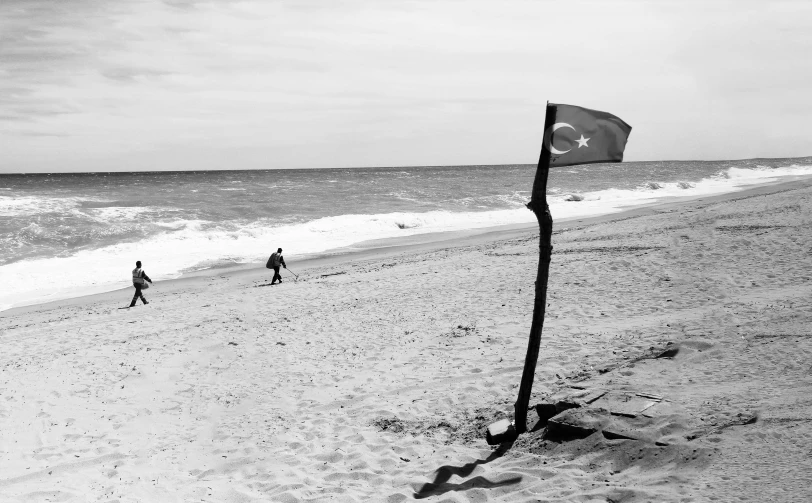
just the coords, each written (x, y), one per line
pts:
(12, 206)
(730, 180)
(119, 213)
(187, 244)
(16, 206)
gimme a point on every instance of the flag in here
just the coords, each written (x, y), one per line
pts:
(575, 135)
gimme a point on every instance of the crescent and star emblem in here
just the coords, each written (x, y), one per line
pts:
(548, 135)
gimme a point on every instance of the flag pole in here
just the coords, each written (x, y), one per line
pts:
(538, 204)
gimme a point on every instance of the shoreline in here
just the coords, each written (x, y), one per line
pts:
(379, 249)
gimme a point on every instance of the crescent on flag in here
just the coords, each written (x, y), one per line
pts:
(549, 134)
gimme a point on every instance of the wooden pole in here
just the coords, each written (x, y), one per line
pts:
(538, 204)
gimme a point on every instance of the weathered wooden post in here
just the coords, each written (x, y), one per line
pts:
(538, 204)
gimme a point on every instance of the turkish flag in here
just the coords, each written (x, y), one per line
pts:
(575, 135)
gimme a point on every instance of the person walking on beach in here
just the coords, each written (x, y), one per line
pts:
(139, 282)
(274, 262)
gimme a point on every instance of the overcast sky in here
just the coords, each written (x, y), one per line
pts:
(100, 85)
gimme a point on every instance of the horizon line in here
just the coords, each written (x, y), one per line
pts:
(375, 167)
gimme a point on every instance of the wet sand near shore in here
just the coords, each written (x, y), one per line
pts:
(373, 376)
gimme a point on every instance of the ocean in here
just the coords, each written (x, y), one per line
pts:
(67, 235)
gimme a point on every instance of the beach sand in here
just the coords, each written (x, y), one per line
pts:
(373, 377)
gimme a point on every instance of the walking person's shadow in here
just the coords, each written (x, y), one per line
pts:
(440, 484)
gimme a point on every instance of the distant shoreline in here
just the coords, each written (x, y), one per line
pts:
(207, 223)
(410, 244)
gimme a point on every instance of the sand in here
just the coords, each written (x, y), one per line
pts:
(373, 376)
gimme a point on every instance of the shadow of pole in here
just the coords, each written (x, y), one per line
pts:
(440, 483)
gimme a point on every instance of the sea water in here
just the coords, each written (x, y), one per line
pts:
(66, 235)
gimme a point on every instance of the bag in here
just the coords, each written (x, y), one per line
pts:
(275, 260)
(144, 285)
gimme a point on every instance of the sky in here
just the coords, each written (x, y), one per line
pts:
(145, 85)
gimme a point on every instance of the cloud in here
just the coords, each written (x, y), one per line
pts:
(41, 134)
(130, 74)
(372, 81)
